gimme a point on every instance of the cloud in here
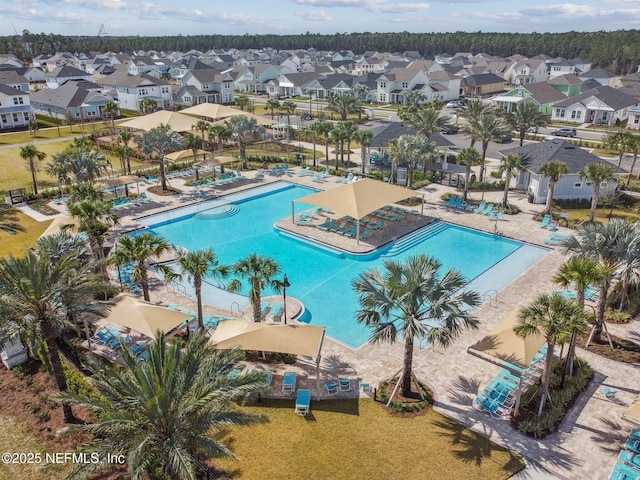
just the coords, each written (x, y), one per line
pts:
(341, 3)
(399, 8)
(91, 4)
(315, 15)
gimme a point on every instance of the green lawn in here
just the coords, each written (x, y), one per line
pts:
(357, 439)
(18, 243)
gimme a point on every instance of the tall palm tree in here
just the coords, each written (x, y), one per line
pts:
(469, 157)
(9, 221)
(360, 91)
(634, 147)
(241, 101)
(350, 130)
(606, 243)
(38, 291)
(202, 126)
(485, 129)
(78, 164)
(218, 134)
(343, 104)
(110, 109)
(509, 165)
(124, 137)
(524, 116)
(194, 143)
(578, 273)
(472, 111)
(140, 249)
(618, 141)
(596, 173)
(160, 412)
(554, 170)
(33, 157)
(556, 318)
(273, 104)
(243, 129)
(160, 140)
(147, 105)
(363, 137)
(288, 108)
(338, 136)
(427, 121)
(412, 148)
(196, 265)
(95, 219)
(413, 300)
(259, 271)
(324, 128)
(414, 98)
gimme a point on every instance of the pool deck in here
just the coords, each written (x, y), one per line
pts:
(589, 439)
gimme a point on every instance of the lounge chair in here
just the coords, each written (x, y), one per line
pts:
(632, 459)
(632, 445)
(609, 393)
(289, 382)
(331, 388)
(495, 216)
(622, 471)
(345, 384)
(366, 234)
(635, 435)
(547, 222)
(303, 402)
(327, 225)
(456, 203)
(303, 172)
(452, 200)
(350, 232)
(480, 207)
(276, 311)
(488, 209)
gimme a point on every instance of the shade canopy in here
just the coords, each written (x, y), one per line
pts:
(214, 111)
(178, 122)
(358, 199)
(632, 413)
(503, 347)
(184, 154)
(59, 224)
(293, 339)
(145, 317)
(117, 181)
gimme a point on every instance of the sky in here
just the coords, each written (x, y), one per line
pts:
(232, 17)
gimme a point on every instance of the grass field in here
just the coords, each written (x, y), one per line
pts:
(18, 243)
(356, 439)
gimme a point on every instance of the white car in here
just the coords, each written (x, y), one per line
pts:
(453, 104)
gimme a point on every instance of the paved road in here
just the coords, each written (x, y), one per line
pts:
(38, 142)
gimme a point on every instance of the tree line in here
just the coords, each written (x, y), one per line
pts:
(614, 51)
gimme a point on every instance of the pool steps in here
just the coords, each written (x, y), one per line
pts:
(415, 238)
(222, 211)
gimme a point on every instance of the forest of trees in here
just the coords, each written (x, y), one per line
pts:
(617, 51)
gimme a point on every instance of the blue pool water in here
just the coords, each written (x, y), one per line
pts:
(321, 279)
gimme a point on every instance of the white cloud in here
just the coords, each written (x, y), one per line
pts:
(399, 8)
(341, 3)
(315, 15)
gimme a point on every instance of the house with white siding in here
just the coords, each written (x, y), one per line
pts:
(213, 82)
(601, 106)
(15, 108)
(63, 74)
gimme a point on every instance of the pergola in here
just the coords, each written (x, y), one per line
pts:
(357, 199)
(292, 339)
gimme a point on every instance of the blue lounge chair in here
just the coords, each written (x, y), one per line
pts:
(632, 459)
(635, 435)
(452, 200)
(303, 402)
(289, 382)
(345, 384)
(327, 225)
(632, 445)
(488, 209)
(366, 234)
(622, 471)
(547, 222)
(331, 388)
(610, 394)
(495, 216)
(456, 203)
(276, 309)
(350, 232)
(480, 207)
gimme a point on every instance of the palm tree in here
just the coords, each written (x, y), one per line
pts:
(259, 271)
(147, 105)
(33, 156)
(338, 136)
(160, 413)
(472, 111)
(218, 134)
(196, 265)
(427, 121)
(343, 104)
(596, 173)
(620, 142)
(556, 318)
(139, 249)
(363, 137)
(414, 98)
(311, 92)
(468, 156)
(95, 219)
(350, 129)
(360, 91)
(125, 136)
(241, 101)
(202, 127)
(578, 273)
(78, 163)
(39, 291)
(243, 128)
(288, 108)
(634, 147)
(485, 129)
(9, 221)
(526, 115)
(509, 165)
(607, 244)
(554, 170)
(413, 300)
(160, 140)
(324, 128)
(194, 143)
(412, 148)
(273, 104)
(110, 108)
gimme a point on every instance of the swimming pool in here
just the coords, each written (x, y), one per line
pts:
(321, 278)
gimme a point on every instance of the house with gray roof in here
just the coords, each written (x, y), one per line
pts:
(63, 74)
(482, 84)
(15, 108)
(601, 106)
(542, 94)
(213, 82)
(600, 75)
(570, 186)
(74, 100)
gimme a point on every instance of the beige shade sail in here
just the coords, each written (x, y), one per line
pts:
(632, 413)
(184, 154)
(117, 181)
(178, 122)
(293, 339)
(60, 224)
(214, 111)
(503, 347)
(358, 199)
(145, 317)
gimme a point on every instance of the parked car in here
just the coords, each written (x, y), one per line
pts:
(503, 138)
(453, 104)
(450, 130)
(532, 130)
(564, 132)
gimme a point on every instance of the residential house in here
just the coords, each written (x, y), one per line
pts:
(600, 75)
(253, 78)
(131, 89)
(13, 79)
(9, 61)
(542, 94)
(441, 85)
(395, 85)
(581, 65)
(561, 67)
(634, 118)
(527, 71)
(58, 60)
(76, 100)
(480, 85)
(570, 186)
(15, 108)
(337, 84)
(213, 82)
(291, 84)
(601, 106)
(188, 96)
(568, 85)
(61, 75)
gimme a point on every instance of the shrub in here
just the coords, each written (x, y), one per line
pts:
(406, 407)
(487, 186)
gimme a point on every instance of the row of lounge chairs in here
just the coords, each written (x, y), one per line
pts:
(548, 223)
(628, 465)
(182, 173)
(112, 338)
(280, 170)
(223, 179)
(487, 209)
(274, 309)
(124, 202)
(340, 385)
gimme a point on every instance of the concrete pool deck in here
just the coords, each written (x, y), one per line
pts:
(589, 439)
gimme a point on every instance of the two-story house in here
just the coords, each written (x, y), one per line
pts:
(15, 108)
(213, 82)
(527, 71)
(63, 74)
(130, 90)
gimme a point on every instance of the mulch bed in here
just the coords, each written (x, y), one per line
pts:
(169, 192)
(623, 350)
(411, 399)
(41, 207)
